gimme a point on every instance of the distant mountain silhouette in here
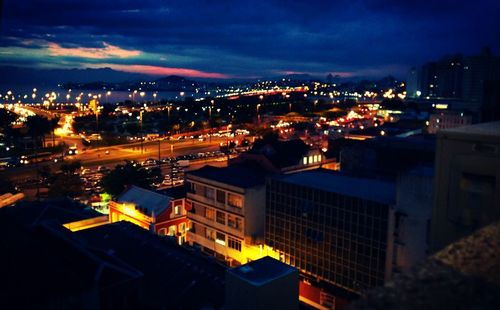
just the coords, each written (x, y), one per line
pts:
(22, 75)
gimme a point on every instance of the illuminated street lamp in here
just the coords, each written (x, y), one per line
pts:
(154, 97)
(257, 110)
(168, 112)
(107, 95)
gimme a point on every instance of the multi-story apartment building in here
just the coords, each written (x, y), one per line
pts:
(336, 229)
(227, 211)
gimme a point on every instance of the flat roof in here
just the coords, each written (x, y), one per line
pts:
(262, 271)
(240, 175)
(336, 182)
(490, 129)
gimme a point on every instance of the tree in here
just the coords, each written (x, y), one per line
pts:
(6, 117)
(38, 126)
(71, 167)
(67, 183)
(125, 175)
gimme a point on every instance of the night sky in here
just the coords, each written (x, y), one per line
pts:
(236, 39)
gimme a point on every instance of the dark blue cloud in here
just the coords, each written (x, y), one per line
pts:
(254, 38)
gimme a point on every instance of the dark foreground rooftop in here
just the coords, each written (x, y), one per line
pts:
(116, 266)
(465, 275)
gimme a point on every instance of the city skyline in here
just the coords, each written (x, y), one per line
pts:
(244, 41)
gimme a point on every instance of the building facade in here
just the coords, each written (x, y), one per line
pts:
(467, 186)
(161, 214)
(445, 120)
(337, 230)
(227, 212)
(470, 83)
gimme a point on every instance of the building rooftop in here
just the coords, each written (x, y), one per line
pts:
(280, 153)
(42, 265)
(119, 266)
(262, 271)
(60, 211)
(176, 192)
(336, 182)
(147, 201)
(174, 276)
(491, 129)
(244, 175)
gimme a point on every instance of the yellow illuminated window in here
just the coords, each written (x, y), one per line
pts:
(235, 200)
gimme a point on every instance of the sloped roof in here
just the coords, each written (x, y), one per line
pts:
(145, 200)
(281, 153)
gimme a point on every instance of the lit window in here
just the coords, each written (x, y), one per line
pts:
(311, 159)
(235, 200)
(172, 230)
(162, 232)
(220, 238)
(304, 160)
(210, 234)
(210, 214)
(177, 210)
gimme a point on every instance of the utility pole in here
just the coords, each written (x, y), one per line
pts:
(142, 134)
(159, 154)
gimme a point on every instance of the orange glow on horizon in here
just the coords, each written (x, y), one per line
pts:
(157, 70)
(108, 51)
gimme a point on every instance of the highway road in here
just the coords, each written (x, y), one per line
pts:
(118, 154)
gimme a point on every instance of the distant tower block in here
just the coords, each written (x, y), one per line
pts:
(262, 284)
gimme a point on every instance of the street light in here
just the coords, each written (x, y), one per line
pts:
(154, 97)
(257, 111)
(107, 95)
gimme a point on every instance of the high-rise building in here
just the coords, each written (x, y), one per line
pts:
(469, 83)
(467, 182)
